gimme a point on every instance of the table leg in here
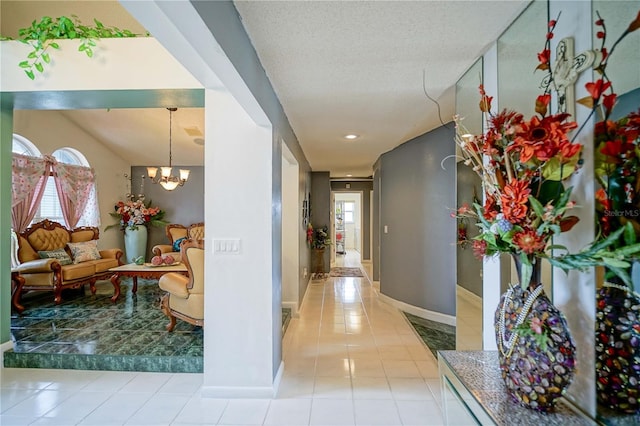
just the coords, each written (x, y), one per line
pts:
(115, 280)
(134, 289)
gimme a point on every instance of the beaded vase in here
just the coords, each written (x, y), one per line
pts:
(534, 375)
(618, 348)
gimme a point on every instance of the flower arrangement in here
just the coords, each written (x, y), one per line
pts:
(131, 214)
(318, 238)
(617, 143)
(522, 164)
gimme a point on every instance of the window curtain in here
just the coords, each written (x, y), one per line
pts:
(28, 180)
(76, 188)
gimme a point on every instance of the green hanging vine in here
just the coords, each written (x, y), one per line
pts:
(41, 36)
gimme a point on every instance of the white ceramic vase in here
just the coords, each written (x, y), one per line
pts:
(135, 243)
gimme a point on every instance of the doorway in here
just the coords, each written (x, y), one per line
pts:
(291, 226)
(346, 222)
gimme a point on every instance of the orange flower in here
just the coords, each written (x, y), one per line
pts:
(514, 200)
(529, 242)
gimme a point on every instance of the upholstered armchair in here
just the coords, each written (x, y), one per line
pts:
(177, 233)
(184, 296)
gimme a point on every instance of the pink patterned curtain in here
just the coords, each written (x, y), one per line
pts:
(28, 180)
(75, 186)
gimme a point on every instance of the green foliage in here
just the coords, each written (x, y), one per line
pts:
(603, 252)
(41, 35)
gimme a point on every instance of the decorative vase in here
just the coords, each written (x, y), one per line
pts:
(135, 243)
(318, 261)
(534, 375)
(618, 347)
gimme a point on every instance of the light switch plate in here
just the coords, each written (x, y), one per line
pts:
(226, 246)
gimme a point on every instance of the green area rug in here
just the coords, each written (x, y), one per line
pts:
(437, 336)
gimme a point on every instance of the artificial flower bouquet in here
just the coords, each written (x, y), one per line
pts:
(523, 164)
(131, 214)
(318, 238)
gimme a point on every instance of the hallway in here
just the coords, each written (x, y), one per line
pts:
(350, 359)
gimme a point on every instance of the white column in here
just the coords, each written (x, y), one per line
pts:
(491, 277)
(239, 339)
(574, 294)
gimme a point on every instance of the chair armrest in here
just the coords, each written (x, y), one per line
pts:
(160, 249)
(175, 283)
(38, 266)
(114, 253)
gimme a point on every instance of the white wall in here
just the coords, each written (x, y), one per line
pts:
(291, 227)
(239, 286)
(51, 130)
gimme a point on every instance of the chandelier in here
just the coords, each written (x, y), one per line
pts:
(166, 179)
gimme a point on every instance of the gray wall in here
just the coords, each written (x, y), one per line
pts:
(365, 187)
(469, 268)
(418, 254)
(183, 205)
(376, 220)
(321, 209)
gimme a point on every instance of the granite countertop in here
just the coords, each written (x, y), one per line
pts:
(479, 372)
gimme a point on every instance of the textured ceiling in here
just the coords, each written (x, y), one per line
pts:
(337, 68)
(357, 67)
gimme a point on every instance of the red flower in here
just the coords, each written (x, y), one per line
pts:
(600, 34)
(485, 101)
(617, 150)
(609, 101)
(601, 197)
(542, 102)
(597, 89)
(544, 57)
(529, 241)
(479, 248)
(490, 209)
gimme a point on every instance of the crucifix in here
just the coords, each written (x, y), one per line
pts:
(566, 71)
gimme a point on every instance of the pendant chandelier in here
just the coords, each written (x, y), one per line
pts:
(166, 179)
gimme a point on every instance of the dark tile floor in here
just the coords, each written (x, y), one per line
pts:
(90, 332)
(436, 336)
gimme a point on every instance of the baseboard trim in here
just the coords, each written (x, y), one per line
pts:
(469, 296)
(295, 313)
(251, 392)
(419, 312)
(3, 348)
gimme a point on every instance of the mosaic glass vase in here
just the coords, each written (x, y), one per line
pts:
(535, 374)
(135, 243)
(618, 348)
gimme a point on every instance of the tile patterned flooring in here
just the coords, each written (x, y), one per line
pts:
(90, 332)
(349, 359)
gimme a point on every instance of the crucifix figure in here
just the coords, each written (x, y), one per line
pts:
(566, 71)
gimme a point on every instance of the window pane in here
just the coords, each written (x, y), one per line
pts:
(348, 217)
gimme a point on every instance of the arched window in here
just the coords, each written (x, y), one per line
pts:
(50, 205)
(22, 145)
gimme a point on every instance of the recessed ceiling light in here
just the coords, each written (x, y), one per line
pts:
(349, 175)
(351, 136)
(198, 141)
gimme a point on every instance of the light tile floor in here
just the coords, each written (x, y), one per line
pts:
(350, 359)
